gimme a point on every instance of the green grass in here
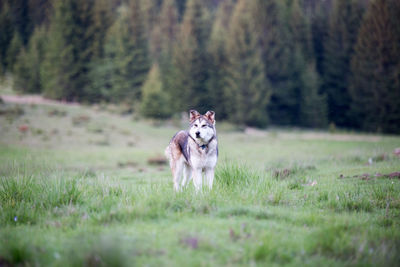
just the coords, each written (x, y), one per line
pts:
(77, 189)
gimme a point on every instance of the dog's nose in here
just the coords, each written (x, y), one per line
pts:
(197, 134)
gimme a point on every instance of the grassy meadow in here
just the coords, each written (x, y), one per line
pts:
(86, 186)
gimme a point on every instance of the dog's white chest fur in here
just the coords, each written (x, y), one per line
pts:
(203, 158)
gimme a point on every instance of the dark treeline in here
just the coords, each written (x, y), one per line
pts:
(307, 63)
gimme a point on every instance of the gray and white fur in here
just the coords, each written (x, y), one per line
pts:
(194, 152)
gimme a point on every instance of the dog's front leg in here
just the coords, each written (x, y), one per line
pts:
(197, 179)
(209, 177)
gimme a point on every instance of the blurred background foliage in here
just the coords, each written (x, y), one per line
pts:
(307, 63)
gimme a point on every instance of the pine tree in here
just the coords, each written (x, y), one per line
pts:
(13, 50)
(101, 22)
(181, 5)
(319, 32)
(276, 55)
(70, 49)
(168, 29)
(300, 29)
(375, 86)
(190, 61)
(104, 71)
(99, 67)
(155, 101)
(339, 48)
(40, 12)
(132, 56)
(219, 58)
(150, 10)
(313, 108)
(27, 76)
(119, 75)
(21, 19)
(7, 31)
(302, 87)
(247, 89)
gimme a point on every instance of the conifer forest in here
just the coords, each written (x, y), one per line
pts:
(259, 63)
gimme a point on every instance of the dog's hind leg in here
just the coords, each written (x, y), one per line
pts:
(177, 172)
(187, 173)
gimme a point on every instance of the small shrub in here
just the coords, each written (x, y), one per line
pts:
(291, 171)
(94, 128)
(157, 160)
(57, 113)
(80, 120)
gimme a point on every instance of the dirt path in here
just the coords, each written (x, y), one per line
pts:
(34, 99)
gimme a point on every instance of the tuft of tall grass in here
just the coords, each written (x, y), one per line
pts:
(24, 198)
(231, 175)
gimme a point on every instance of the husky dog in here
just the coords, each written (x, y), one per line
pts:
(195, 151)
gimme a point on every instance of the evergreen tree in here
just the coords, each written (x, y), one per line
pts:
(150, 11)
(132, 56)
(155, 101)
(300, 29)
(164, 33)
(119, 75)
(99, 66)
(313, 108)
(27, 77)
(102, 20)
(40, 12)
(219, 58)
(181, 5)
(21, 19)
(70, 49)
(168, 28)
(104, 71)
(13, 50)
(304, 100)
(375, 86)
(339, 48)
(319, 32)
(190, 61)
(247, 89)
(7, 32)
(276, 55)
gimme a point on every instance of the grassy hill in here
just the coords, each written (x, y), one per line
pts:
(78, 186)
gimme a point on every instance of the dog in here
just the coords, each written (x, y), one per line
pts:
(194, 152)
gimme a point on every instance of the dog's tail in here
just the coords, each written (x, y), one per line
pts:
(167, 153)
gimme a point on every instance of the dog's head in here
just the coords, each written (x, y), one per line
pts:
(202, 127)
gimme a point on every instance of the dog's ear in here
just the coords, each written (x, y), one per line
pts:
(211, 116)
(193, 115)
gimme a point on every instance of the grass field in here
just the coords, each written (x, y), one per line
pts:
(78, 188)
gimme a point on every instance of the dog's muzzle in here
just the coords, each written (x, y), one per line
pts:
(197, 134)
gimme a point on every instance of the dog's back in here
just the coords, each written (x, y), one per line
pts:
(178, 147)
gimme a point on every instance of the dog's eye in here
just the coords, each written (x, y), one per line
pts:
(195, 125)
(203, 126)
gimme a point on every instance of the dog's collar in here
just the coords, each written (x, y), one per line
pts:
(205, 145)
